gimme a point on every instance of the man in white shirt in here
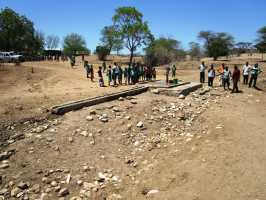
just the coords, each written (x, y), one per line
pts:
(202, 68)
(246, 70)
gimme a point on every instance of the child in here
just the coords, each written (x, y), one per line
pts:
(211, 76)
(236, 78)
(101, 82)
(125, 74)
(226, 78)
(109, 75)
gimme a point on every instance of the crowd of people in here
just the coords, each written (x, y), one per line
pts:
(250, 75)
(118, 75)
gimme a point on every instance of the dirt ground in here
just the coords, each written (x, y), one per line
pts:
(210, 145)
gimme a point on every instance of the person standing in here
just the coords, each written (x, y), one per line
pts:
(202, 68)
(72, 61)
(116, 73)
(104, 66)
(173, 71)
(167, 74)
(129, 77)
(120, 75)
(246, 70)
(100, 75)
(109, 75)
(87, 68)
(211, 76)
(236, 78)
(221, 73)
(114, 76)
(255, 71)
(226, 78)
(126, 75)
(92, 73)
(153, 73)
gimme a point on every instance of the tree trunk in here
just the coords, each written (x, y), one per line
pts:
(131, 57)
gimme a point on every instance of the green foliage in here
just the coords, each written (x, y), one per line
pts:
(17, 33)
(261, 41)
(163, 51)
(111, 39)
(242, 47)
(52, 42)
(216, 44)
(131, 27)
(102, 52)
(74, 44)
(195, 50)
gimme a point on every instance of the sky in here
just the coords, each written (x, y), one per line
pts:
(180, 19)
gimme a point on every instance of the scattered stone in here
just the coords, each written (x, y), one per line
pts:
(75, 198)
(103, 118)
(151, 192)
(4, 166)
(70, 139)
(114, 197)
(116, 109)
(92, 112)
(140, 124)
(89, 118)
(54, 184)
(155, 91)
(133, 102)
(3, 191)
(63, 192)
(6, 155)
(84, 133)
(36, 188)
(68, 178)
(23, 185)
(181, 96)
(120, 99)
(14, 192)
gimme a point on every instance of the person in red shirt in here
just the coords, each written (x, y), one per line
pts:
(236, 78)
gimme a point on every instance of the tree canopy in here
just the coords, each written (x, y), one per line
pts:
(261, 41)
(17, 33)
(111, 39)
(74, 44)
(163, 51)
(216, 44)
(102, 52)
(132, 29)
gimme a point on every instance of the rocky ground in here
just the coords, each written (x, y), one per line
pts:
(208, 145)
(148, 146)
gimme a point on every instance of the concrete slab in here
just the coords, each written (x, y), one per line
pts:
(62, 109)
(184, 89)
(162, 84)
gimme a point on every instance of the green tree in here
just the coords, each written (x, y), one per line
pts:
(131, 27)
(242, 47)
(261, 41)
(73, 44)
(102, 52)
(111, 39)
(195, 50)
(52, 42)
(216, 44)
(163, 51)
(17, 33)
